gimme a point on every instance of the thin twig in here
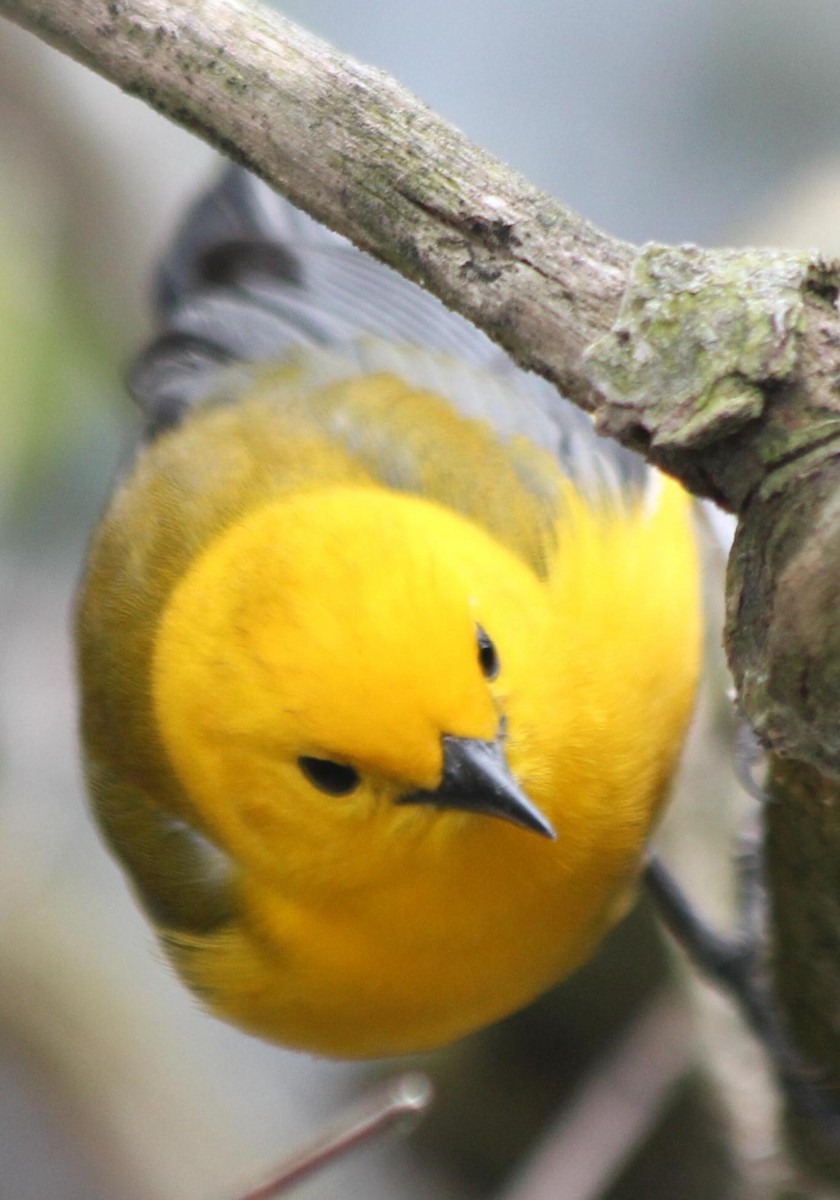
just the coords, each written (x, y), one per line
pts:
(398, 1105)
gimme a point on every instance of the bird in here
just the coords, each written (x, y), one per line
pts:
(385, 657)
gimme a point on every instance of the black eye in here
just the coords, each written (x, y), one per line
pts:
(488, 659)
(334, 778)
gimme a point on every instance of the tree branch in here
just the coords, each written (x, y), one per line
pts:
(675, 350)
(720, 366)
(363, 155)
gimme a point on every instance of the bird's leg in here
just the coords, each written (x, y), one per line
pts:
(737, 962)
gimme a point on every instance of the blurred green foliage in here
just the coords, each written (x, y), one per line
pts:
(57, 363)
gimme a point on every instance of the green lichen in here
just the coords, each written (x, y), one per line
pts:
(698, 336)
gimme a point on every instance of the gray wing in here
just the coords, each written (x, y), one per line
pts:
(249, 278)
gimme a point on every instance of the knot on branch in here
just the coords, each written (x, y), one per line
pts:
(702, 340)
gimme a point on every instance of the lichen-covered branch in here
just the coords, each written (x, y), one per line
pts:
(720, 366)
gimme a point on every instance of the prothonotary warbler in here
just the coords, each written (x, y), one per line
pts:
(386, 659)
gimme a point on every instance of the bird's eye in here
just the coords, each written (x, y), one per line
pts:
(336, 779)
(488, 658)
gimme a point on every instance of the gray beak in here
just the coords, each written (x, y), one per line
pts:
(476, 778)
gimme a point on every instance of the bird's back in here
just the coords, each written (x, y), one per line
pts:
(249, 279)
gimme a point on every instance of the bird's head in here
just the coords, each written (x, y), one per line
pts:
(341, 660)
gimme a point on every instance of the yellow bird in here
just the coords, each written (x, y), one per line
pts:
(386, 659)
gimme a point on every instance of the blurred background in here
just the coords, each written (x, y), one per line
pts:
(701, 121)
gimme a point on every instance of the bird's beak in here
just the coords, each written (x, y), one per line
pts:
(476, 778)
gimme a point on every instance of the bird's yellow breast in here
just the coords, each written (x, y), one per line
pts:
(329, 622)
(260, 591)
